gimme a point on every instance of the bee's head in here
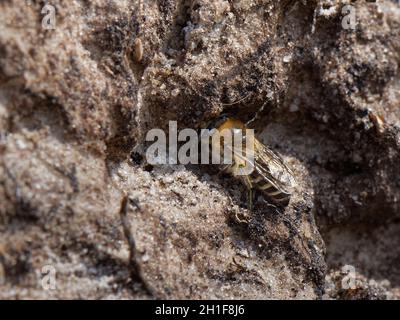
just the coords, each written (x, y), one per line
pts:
(225, 121)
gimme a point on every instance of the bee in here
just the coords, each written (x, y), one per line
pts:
(269, 175)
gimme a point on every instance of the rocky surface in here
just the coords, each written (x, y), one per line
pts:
(77, 101)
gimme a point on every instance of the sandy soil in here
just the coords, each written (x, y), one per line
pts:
(77, 101)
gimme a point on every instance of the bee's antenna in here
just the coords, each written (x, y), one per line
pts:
(236, 102)
(259, 111)
(257, 114)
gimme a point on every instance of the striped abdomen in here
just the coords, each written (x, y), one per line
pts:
(279, 196)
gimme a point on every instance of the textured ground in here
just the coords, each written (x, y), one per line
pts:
(75, 105)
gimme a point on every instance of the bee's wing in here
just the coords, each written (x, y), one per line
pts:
(268, 164)
(272, 167)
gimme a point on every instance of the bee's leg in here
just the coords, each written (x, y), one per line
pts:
(238, 219)
(249, 186)
(251, 199)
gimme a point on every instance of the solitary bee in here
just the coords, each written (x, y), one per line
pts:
(269, 174)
